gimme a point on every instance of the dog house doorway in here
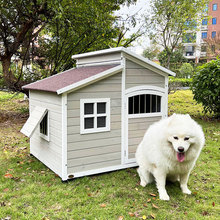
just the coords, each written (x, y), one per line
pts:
(144, 106)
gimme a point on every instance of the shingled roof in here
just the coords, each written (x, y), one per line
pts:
(73, 76)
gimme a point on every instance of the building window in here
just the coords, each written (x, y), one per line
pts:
(189, 51)
(214, 20)
(214, 7)
(145, 103)
(204, 35)
(213, 34)
(94, 115)
(205, 21)
(44, 127)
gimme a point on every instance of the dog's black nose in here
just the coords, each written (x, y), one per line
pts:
(180, 149)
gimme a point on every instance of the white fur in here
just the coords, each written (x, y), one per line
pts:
(157, 153)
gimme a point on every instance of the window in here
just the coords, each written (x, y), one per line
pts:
(44, 127)
(214, 7)
(213, 34)
(145, 103)
(204, 35)
(204, 21)
(94, 115)
(189, 50)
(214, 20)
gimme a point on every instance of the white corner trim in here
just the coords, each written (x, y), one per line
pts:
(91, 79)
(123, 114)
(64, 137)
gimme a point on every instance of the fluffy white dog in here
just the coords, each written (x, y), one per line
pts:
(169, 150)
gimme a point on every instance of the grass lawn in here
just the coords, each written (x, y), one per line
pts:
(29, 190)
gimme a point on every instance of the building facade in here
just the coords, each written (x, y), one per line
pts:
(201, 45)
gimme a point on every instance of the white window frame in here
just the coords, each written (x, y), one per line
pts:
(150, 114)
(83, 130)
(46, 137)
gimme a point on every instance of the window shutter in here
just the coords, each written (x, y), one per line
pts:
(33, 121)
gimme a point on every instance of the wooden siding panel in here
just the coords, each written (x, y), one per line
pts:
(100, 58)
(50, 153)
(137, 128)
(85, 167)
(83, 149)
(137, 75)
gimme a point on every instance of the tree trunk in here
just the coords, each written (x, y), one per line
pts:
(8, 76)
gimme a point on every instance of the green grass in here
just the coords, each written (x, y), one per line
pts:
(29, 190)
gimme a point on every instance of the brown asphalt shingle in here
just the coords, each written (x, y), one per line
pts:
(69, 77)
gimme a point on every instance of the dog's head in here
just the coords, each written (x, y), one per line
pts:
(181, 135)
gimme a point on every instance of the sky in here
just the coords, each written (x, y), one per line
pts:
(140, 7)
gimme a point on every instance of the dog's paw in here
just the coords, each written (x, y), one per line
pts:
(143, 183)
(164, 197)
(187, 191)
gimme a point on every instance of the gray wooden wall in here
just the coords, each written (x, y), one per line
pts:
(96, 150)
(137, 75)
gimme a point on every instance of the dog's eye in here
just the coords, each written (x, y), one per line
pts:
(186, 138)
(176, 138)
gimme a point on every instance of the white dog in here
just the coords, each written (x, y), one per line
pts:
(169, 150)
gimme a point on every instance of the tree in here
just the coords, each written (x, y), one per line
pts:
(47, 32)
(171, 19)
(20, 22)
(82, 26)
(205, 86)
(151, 52)
(186, 70)
(176, 59)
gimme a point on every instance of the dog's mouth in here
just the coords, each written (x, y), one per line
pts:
(180, 156)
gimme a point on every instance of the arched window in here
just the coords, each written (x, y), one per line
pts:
(144, 103)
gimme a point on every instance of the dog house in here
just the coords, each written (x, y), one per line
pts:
(90, 119)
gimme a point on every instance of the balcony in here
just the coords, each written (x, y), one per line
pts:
(204, 27)
(203, 54)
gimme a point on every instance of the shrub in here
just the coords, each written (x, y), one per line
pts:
(186, 70)
(206, 86)
(177, 83)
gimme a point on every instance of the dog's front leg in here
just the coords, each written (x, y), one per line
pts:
(183, 183)
(160, 178)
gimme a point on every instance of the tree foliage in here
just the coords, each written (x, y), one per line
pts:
(171, 19)
(176, 59)
(46, 33)
(151, 52)
(205, 86)
(186, 70)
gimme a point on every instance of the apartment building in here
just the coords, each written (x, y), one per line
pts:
(198, 46)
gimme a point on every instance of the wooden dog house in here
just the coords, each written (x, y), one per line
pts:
(90, 119)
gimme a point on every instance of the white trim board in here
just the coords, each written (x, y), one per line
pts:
(64, 136)
(125, 52)
(102, 170)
